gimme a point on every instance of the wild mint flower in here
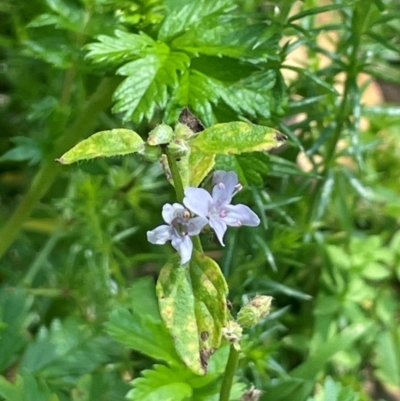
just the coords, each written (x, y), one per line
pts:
(178, 230)
(217, 208)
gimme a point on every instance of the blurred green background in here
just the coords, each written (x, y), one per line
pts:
(73, 238)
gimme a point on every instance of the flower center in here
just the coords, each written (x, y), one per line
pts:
(180, 223)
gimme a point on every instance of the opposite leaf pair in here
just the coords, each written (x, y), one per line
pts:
(214, 210)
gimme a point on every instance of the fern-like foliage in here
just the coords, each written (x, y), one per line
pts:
(195, 60)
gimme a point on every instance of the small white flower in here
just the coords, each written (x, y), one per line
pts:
(217, 208)
(178, 230)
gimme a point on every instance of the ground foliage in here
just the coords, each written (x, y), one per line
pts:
(78, 313)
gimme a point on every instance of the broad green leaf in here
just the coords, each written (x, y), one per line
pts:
(149, 80)
(200, 164)
(237, 137)
(143, 334)
(193, 306)
(116, 142)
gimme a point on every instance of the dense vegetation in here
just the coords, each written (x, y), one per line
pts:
(79, 318)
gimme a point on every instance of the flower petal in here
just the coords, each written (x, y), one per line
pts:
(197, 200)
(219, 227)
(196, 224)
(169, 212)
(223, 192)
(238, 215)
(184, 246)
(160, 235)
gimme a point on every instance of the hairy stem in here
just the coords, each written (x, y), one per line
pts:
(44, 178)
(230, 371)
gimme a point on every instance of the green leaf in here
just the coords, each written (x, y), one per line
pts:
(230, 36)
(387, 359)
(14, 320)
(193, 306)
(251, 168)
(66, 349)
(333, 391)
(149, 80)
(195, 91)
(236, 138)
(142, 333)
(144, 299)
(25, 388)
(200, 164)
(180, 19)
(104, 144)
(162, 383)
(122, 47)
(66, 16)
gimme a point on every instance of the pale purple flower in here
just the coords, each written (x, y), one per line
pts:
(217, 208)
(178, 230)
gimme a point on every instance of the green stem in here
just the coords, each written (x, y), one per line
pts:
(358, 23)
(44, 178)
(176, 177)
(230, 371)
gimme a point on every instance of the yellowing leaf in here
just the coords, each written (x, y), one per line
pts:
(237, 137)
(104, 144)
(193, 307)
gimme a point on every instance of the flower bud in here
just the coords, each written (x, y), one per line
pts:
(183, 131)
(254, 311)
(160, 135)
(233, 333)
(151, 153)
(178, 148)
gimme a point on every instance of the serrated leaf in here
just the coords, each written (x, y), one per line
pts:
(193, 307)
(15, 317)
(25, 388)
(116, 142)
(143, 334)
(196, 92)
(26, 149)
(237, 137)
(230, 36)
(149, 81)
(181, 19)
(251, 168)
(121, 47)
(68, 16)
(65, 349)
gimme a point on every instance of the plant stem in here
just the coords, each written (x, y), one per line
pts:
(230, 370)
(176, 177)
(44, 178)
(358, 23)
